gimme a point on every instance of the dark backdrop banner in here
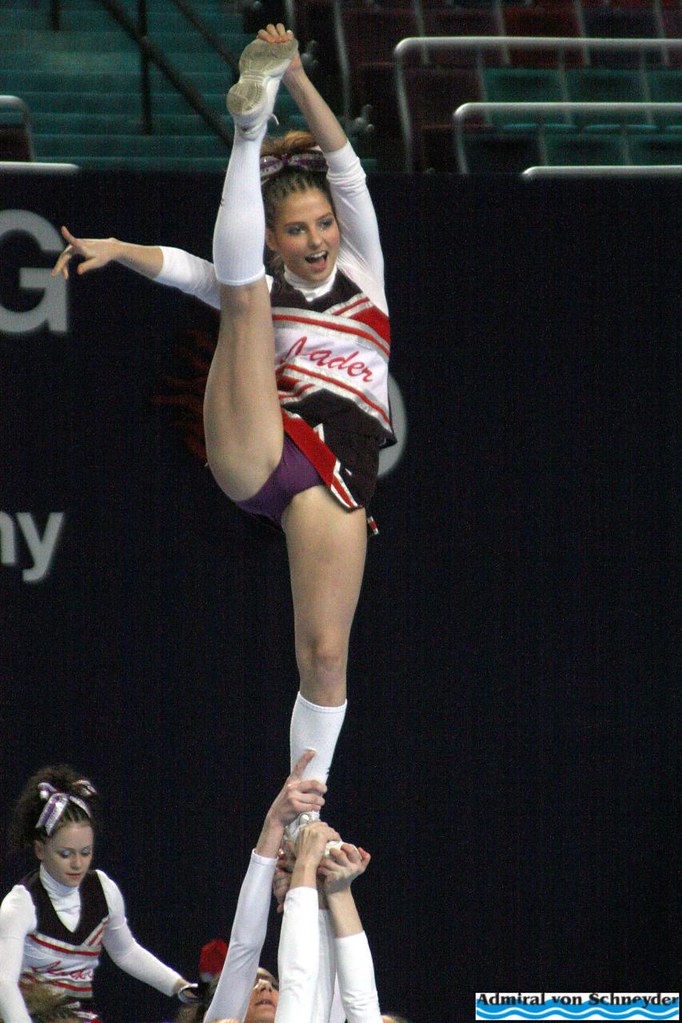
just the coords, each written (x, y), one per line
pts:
(509, 752)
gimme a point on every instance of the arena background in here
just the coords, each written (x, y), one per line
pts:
(509, 755)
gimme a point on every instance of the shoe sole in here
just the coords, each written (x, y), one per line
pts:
(259, 63)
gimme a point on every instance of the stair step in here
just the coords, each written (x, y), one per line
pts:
(81, 19)
(41, 41)
(109, 103)
(154, 164)
(112, 40)
(19, 81)
(69, 63)
(164, 125)
(67, 147)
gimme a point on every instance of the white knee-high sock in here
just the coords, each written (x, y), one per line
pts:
(318, 728)
(239, 233)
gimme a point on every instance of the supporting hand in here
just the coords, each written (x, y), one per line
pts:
(298, 794)
(341, 866)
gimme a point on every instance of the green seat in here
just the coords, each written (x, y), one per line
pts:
(658, 148)
(582, 149)
(523, 85)
(605, 85)
(498, 152)
(665, 86)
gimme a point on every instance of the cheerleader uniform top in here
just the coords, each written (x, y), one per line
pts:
(332, 340)
(53, 934)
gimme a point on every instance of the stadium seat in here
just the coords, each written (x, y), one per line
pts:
(433, 94)
(368, 36)
(462, 21)
(602, 85)
(543, 19)
(494, 152)
(583, 149)
(657, 148)
(620, 21)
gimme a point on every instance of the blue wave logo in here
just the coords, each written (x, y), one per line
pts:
(595, 1007)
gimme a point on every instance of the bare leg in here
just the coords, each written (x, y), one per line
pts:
(242, 418)
(327, 547)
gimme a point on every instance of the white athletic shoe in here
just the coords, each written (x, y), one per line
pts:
(292, 830)
(251, 101)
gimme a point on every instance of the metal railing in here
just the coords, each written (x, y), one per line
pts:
(604, 170)
(541, 112)
(424, 46)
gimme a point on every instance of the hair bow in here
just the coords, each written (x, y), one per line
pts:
(311, 160)
(57, 802)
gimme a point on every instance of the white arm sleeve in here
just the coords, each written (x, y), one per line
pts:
(326, 977)
(360, 255)
(356, 979)
(125, 951)
(298, 958)
(231, 997)
(191, 274)
(17, 919)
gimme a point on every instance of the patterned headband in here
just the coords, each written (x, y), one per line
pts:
(57, 802)
(311, 160)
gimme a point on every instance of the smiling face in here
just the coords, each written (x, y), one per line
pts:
(67, 854)
(306, 235)
(263, 1000)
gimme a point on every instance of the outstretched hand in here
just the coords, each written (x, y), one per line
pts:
(341, 866)
(279, 34)
(298, 794)
(95, 253)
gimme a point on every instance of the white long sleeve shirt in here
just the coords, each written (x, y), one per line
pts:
(70, 967)
(303, 961)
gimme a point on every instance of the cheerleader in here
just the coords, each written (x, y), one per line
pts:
(296, 406)
(55, 922)
(324, 866)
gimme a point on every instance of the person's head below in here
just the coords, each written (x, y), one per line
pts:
(301, 230)
(264, 998)
(56, 817)
(393, 1017)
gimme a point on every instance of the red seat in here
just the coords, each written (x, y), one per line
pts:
(542, 19)
(465, 21)
(433, 94)
(369, 35)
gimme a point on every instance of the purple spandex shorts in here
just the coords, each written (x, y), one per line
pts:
(294, 473)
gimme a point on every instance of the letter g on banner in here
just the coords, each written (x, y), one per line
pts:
(51, 309)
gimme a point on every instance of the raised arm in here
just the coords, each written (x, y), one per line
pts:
(96, 253)
(172, 267)
(321, 120)
(353, 956)
(361, 255)
(250, 921)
